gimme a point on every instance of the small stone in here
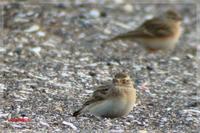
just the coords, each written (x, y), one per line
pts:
(169, 81)
(82, 35)
(164, 119)
(94, 13)
(117, 131)
(3, 115)
(61, 5)
(69, 124)
(103, 14)
(23, 114)
(189, 56)
(119, 1)
(62, 14)
(168, 109)
(188, 74)
(128, 8)
(2, 50)
(21, 20)
(150, 68)
(142, 131)
(44, 124)
(17, 126)
(191, 104)
(30, 13)
(137, 67)
(24, 40)
(33, 28)
(92, 74)
(107, 31)
(18, 50)
(130, 116)
(89, 91)
(189, 119)
(187, 20)
(175, 58)
(41, 34)
(36, 50)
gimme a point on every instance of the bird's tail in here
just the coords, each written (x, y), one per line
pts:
(115, 38)
(125, 36)
(78, 112)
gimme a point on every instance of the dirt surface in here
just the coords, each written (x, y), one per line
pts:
(52, 57)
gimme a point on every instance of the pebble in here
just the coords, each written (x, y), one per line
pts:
(170, 82)
(168, 109)
(130, 116)
(92, 74)
(33, 28)
(175, 58)
(150, 68)
(36, 50)
(24, 40)
(189, 56)
(2, 49)
(107, 31)
(30, 13)
(137, 67)
(62, 14)
(82, 35)
(89, 91)
(187, 20)
(95, 13)
(164, 119)
(189, 119)
(41, 34)
(52, 42)
(21, 20)
(188, 74)
(44, 124)
(119, 1)
(116, 131)
(21, 15)
(148, 17)
(2, 115)
(17, 126)
(142, 131)
(128, 8)
(69, 124)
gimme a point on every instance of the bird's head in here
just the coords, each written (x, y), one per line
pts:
(122, 79)
(173, 15)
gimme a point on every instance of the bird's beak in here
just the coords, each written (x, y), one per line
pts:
(115, 81)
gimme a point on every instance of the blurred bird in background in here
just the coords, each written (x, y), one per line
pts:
(159, 33)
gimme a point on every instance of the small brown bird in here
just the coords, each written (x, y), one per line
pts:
(114, 100)
(159, 33)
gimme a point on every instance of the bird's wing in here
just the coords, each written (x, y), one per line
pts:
(99, 94)
(151, 28)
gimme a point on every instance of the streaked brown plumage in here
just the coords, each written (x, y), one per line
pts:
(158, 33)
(113, 100)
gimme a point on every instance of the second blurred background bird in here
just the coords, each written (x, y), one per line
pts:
(159, 33)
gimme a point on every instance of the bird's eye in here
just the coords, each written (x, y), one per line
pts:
(124, 81)
(115, 80)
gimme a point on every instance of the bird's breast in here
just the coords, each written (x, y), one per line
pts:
(113, 107)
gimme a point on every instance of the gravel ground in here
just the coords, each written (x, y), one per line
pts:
(51, 59)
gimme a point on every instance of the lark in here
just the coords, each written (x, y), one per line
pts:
(159, 33)
(114, 100)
